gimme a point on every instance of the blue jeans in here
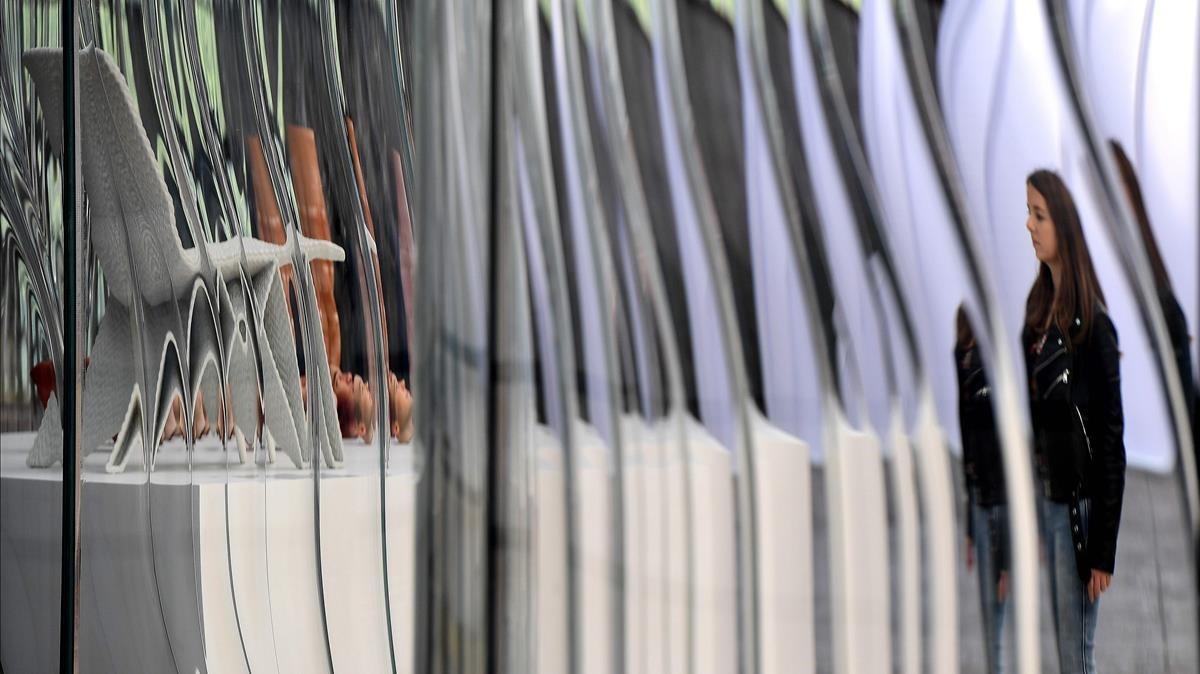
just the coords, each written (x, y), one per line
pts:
(990, 527)
(1074, 615)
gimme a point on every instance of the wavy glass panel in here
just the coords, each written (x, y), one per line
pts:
(1054, 119)
(566, 446)
(721, 480)
(368, 43)
(658, 521)
(452, 84)
(788, 230)
(647, 335)
(958, 382)
(32, 293)
(611, 389)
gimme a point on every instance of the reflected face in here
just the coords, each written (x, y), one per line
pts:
(354, 405)
(346, 383)
(400, 406)
(1042, 232)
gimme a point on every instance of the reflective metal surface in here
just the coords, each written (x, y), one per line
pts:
(599, 336)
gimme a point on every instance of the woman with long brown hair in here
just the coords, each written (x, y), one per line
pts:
(1073, 366)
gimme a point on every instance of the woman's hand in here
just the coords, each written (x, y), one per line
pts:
(1002, 587)
(1097, 584)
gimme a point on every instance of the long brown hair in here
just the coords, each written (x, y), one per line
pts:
(964, 336)
(1162, 282)
(1080, 292)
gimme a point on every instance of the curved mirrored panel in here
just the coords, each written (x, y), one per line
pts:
(601, 336)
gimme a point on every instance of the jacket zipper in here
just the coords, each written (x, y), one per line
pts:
(1046, 363)
(1083, 427)
(1060, 379)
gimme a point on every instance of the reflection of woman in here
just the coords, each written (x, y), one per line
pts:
(1072, 362)
(987, 513)
(1172, 312)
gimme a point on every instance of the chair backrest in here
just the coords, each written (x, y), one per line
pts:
(132, 218)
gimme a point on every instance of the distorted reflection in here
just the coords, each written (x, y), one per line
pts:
(983, 476)
(1177, 325)
(720, 353)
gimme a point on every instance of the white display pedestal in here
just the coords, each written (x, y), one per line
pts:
(858, 559)
(658, 556)
(648, 540)
(593, 556)
(551, 554)
(656, 552)
(216, 569)
(783, 483)
(213, 568)
(713, 553)
(597, 565)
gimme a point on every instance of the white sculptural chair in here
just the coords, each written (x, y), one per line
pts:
(137, 245)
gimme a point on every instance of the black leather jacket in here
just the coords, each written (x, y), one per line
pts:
(1078, 424)
(983, 469)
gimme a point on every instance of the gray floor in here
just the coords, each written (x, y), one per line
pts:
(1148, 618)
